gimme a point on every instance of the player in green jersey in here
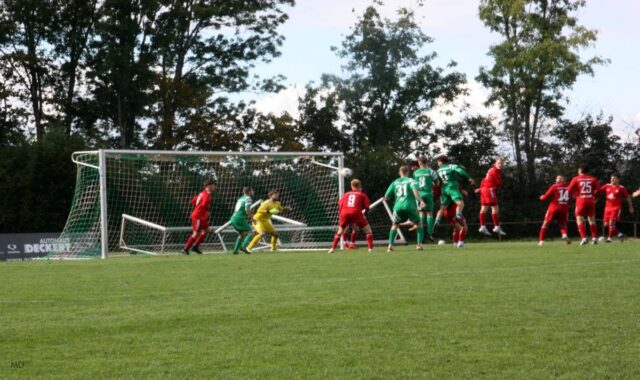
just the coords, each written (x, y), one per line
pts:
(405, 192)
(450, 175)
(240, 220)
(426, 178)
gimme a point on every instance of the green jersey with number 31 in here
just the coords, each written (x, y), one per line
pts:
(402, 191)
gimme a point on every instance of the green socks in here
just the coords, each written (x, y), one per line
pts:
(247, 240)
(236, 247)
(429, 225)
(392, 236)
(420, 234)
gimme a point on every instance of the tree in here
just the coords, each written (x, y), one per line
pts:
(206, 48)
(75, 27)
(26, 61)
(588, 141)
(536, 61)
(381, 105)
(470, 142)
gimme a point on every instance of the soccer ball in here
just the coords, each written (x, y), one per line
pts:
(346, 172)
(601, 238)
(274, 211)
(441, 242)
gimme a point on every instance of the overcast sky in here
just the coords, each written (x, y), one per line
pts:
(316, 25)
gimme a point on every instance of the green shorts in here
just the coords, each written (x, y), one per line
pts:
(449, 195)
(400, 215)
(240, 224)
(428, 202)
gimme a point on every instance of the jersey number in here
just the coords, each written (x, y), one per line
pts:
(401, 191)
(351, 200)
(238, 205)
(443, 177)
(422, 181)
(586, 187)
(564, 195)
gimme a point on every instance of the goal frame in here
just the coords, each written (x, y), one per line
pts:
(102, 172)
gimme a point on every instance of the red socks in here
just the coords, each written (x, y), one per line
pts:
(563, 230)
(455, 236)
(543, 231)
(199, 240)
(336, 241)
(496, 219)
(483, 218)
(582, 228)
(189, 242)
(354, 235)
(463, 234)
(594, 231)
(613, 231)
(370, 241)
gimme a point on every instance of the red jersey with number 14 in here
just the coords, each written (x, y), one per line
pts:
(559, 194)
(584, 188)
(202, 204)
(614, 195)
(354, 202)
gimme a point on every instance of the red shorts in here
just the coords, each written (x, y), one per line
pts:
(561, 215)
(488, 196)
(348, 219)
(200, 224)
(612, 214)
(586, 208)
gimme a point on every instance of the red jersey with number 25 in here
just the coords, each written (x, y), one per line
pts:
(202, 204)
(559, 194)
(584, 188)
(614, 195)
(354, 202)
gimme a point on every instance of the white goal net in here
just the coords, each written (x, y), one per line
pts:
(139, 201)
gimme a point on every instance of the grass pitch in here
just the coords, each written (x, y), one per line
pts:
(508, 310)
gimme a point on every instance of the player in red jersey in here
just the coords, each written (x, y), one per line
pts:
(489, 198)
(200, 217)
(614, 194)
(353, 206)
(558, 209)
(584, 188)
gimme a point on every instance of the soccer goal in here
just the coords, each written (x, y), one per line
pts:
(129, 201)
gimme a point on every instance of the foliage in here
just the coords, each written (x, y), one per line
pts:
(536, 61)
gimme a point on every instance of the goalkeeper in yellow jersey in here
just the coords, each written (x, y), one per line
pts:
(262, 220)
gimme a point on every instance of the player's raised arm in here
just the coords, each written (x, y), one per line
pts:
(549, 193)
(636, 193)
